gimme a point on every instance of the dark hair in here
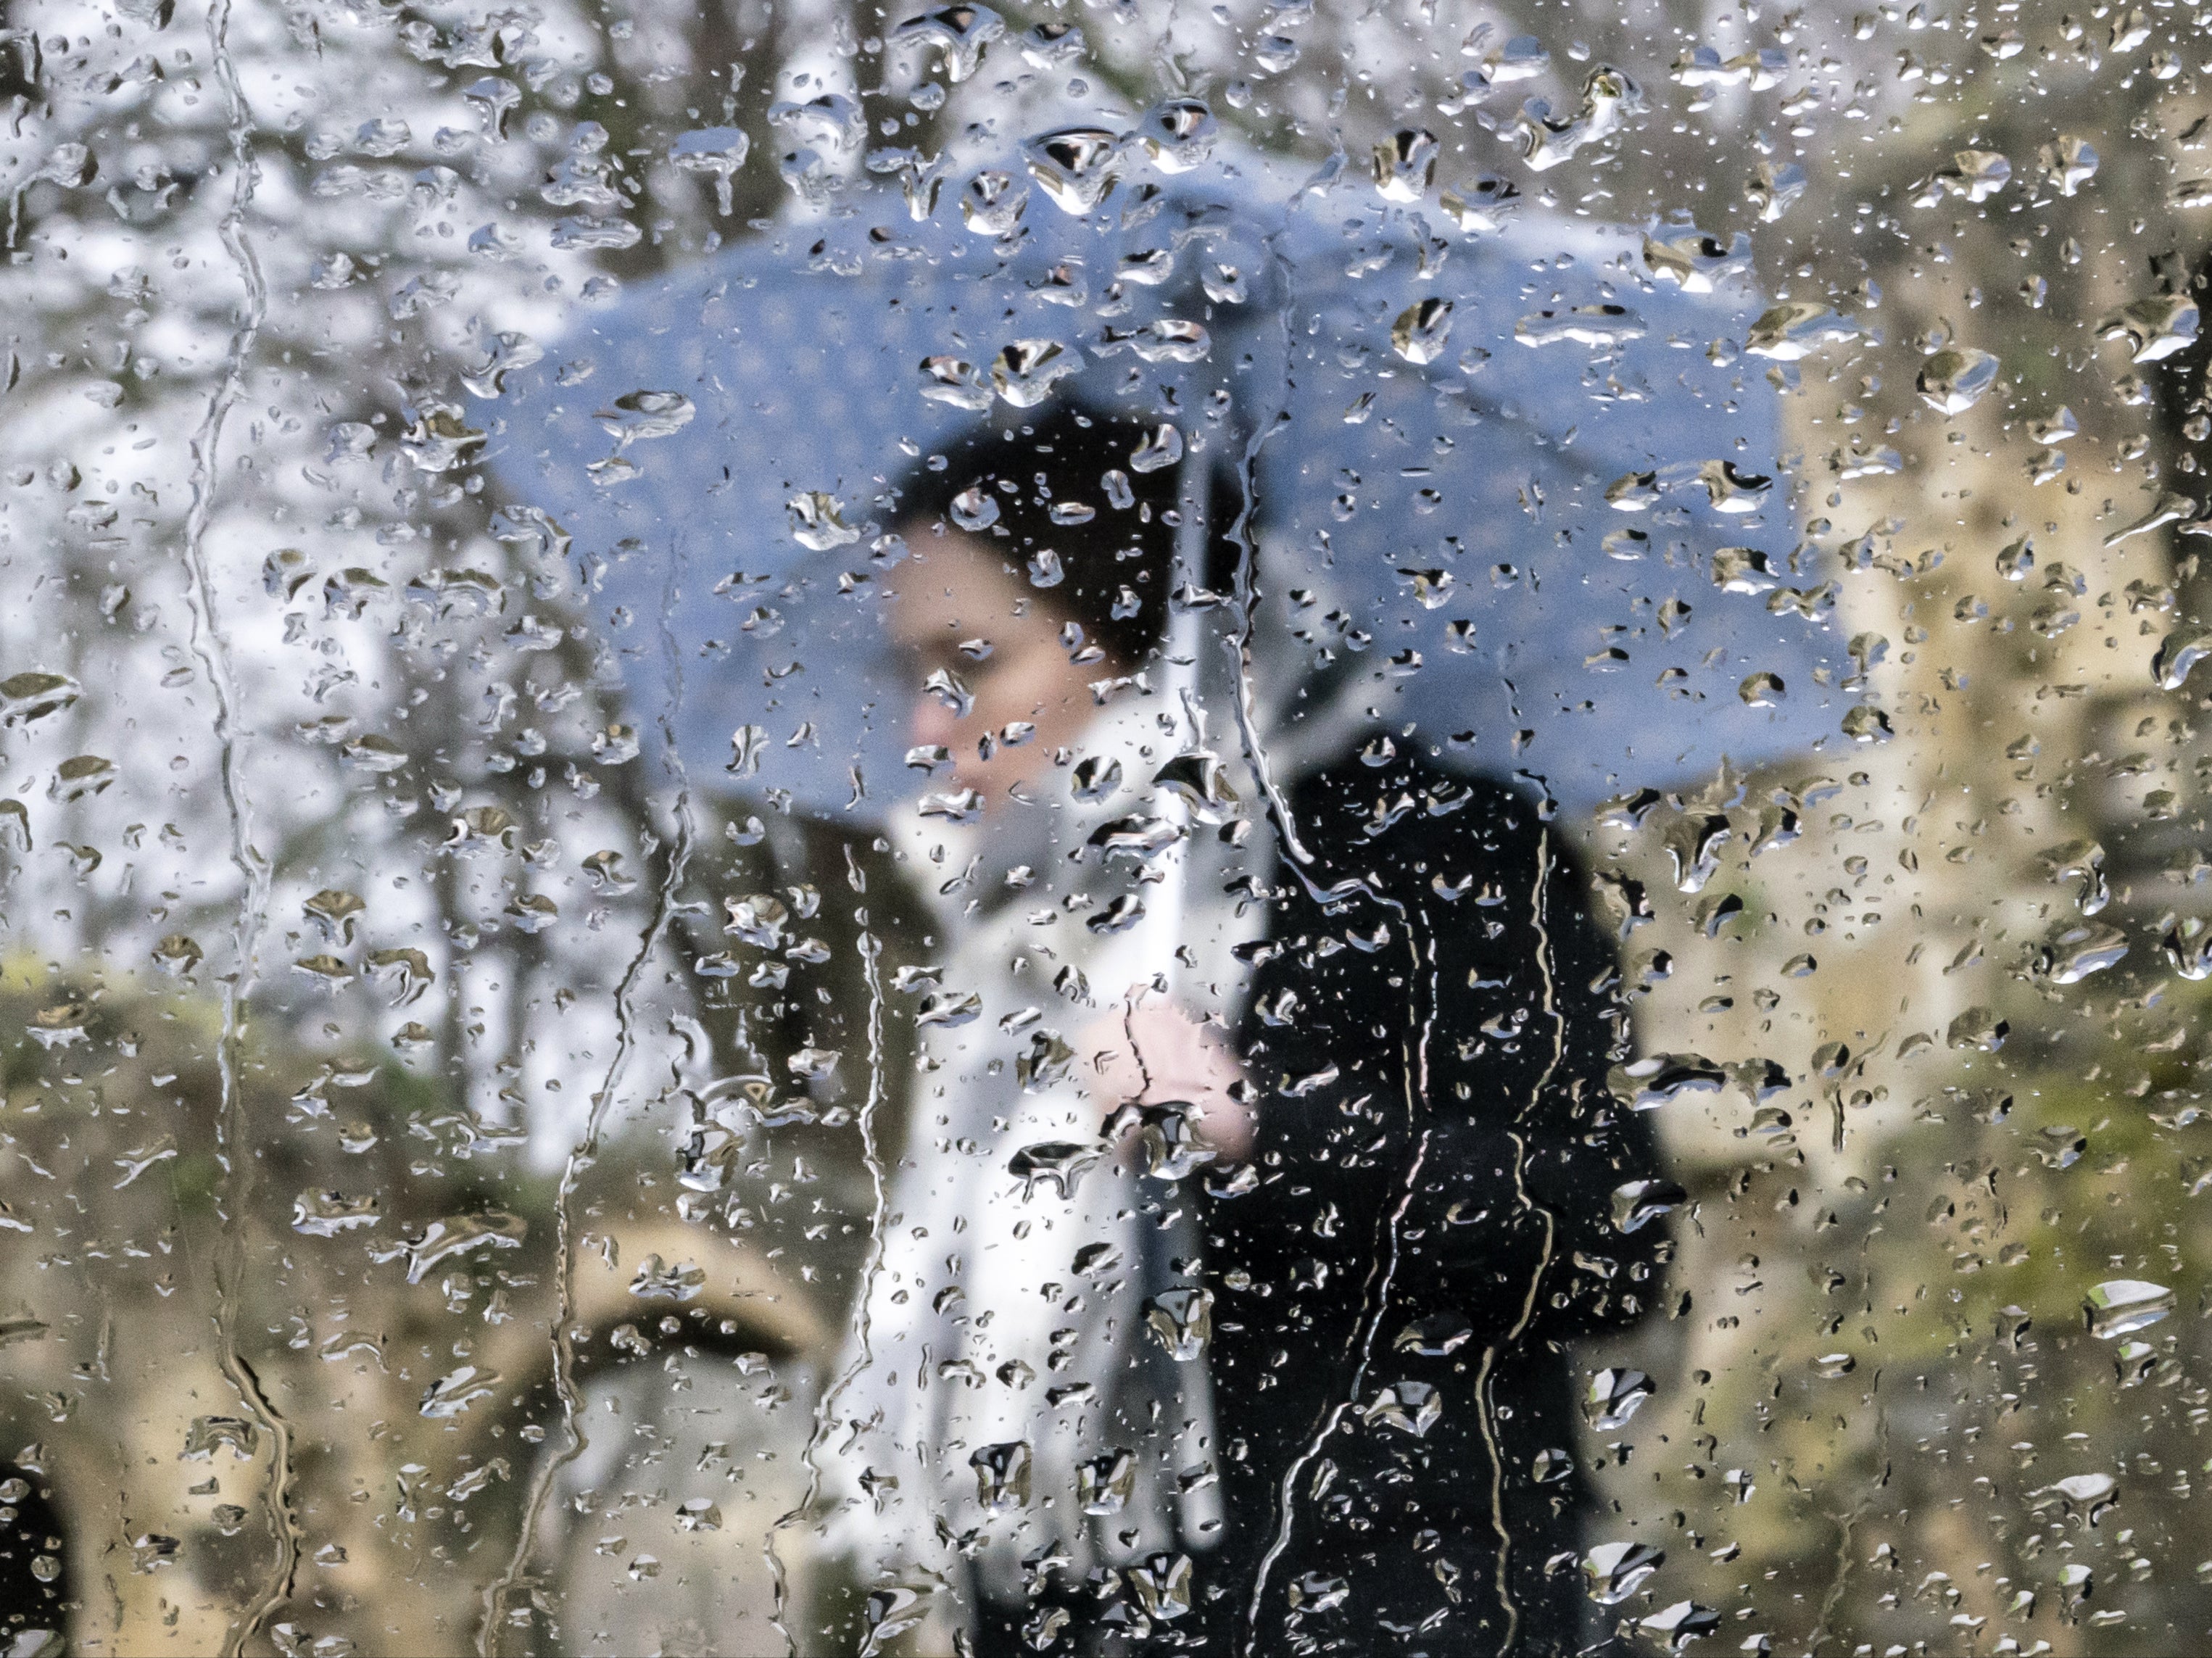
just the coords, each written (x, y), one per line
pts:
(1109, 573)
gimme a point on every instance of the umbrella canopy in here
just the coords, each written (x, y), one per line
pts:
(1505, 489)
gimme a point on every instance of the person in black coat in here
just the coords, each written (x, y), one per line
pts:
(1429, 1031)
(34, 1589)
(1414, 1214)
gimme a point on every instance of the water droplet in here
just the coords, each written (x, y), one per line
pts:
(1053, 44)
(1483, 204)
(2177, 655)
(439, 441)
(949, 1010)
(892, 1611)
(2122, 1306)
(1609, 98)
(1421, 330)
(1978, 1027)
(179, 954)
(1615, 1396)
(1060, 1163)
(709, 1158)
(209, 1434)
(637, 417)
(1405, 164)
(32, 696)
(1658, 1079)
(2090, 1496)
(1200, 782)
(80, 777)
(1703, 66)
(372, 753)
(1025, 371)
(335, 913)
(1679, 1624)
(1728, 490)
(832, 121)
(1075, 167)
(1956, 379)
(656, 1279)
(1795, 329)
(715, 153)
(812, 1064)
(2172, 508)
(1638, 1203)
(1412, 1407)
(1523, 58)
(326, 1214)
(1162, 1583)
(1104, 1483)
(1866, 724)
(2188, 946)
(1696, 261)
(1774, 188)
(1317, 1591)
(818, 521)
(698, 1514)
(1158, 449)
(951, 380)
(1599, 326)
(1744, 570)
(1178, 135)
(456, 1234)
(1762, 691)
(2154, 328)
(1975, 174)
(2080, 860)
(1614, 1571)
(960, 33)
(1170, 339)
(1137, 839)
(2079, 952)
(1002, 1475)
(1435, 1335)
(454, 1392)
(1181, 1321)
(408, 971)
(1095, 778)
(2068, 162)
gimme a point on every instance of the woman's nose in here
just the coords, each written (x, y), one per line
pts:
(934, 722)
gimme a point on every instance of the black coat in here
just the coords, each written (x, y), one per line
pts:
(35, 1588)
(1430, 1024)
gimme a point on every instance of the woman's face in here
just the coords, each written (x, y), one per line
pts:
(958, 610)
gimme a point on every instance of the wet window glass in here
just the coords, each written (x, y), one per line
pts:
(1104, 828)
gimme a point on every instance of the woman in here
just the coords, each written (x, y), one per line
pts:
(1024, 1412)
(1384, 1416)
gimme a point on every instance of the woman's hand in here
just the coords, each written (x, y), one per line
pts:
(1157, 1052)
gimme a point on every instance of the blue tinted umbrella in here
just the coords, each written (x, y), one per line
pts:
(1506, 487)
